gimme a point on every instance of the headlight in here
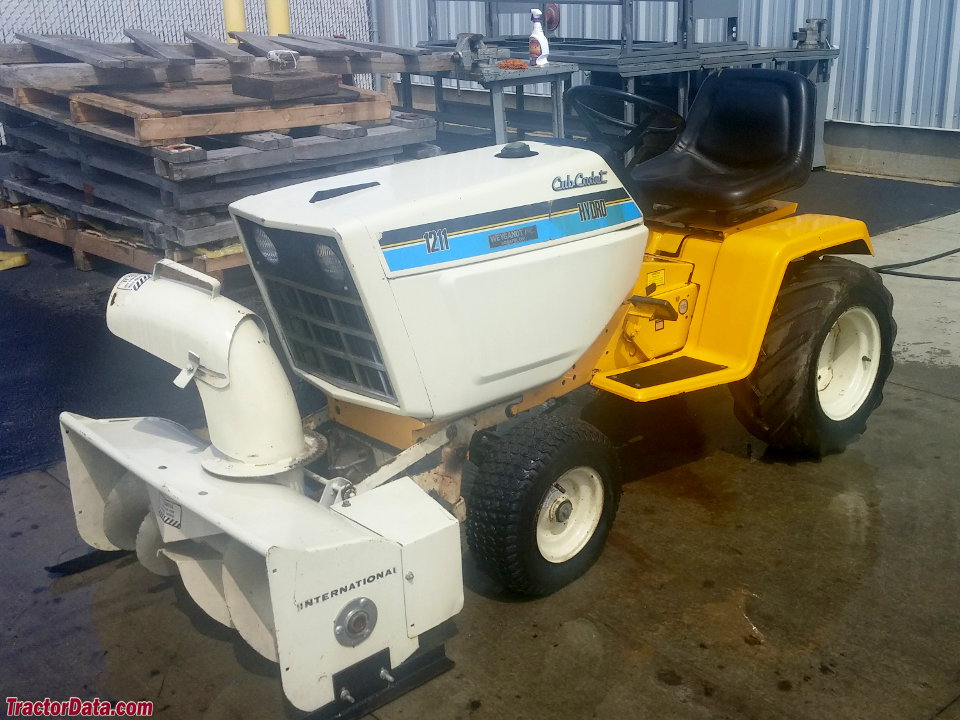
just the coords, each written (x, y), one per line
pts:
(265, 245)
(331, 264)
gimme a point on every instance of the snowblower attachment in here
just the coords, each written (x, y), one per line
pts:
(338, 590)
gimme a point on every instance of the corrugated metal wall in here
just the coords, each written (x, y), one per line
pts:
(899, 61)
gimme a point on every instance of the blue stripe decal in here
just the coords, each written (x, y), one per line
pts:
(438, 246)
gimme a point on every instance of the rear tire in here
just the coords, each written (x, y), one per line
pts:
(542, 504)
(824, 360)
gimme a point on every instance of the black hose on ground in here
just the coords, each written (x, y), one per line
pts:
(894, 268)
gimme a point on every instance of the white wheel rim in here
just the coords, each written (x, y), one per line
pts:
(848, 363)
(569, 514)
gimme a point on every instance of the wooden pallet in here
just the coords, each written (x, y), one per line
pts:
(178, 196)
(137, 123)
(154, 234)
(24, 225)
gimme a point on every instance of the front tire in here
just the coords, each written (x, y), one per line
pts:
(542, 504)
(825, 357)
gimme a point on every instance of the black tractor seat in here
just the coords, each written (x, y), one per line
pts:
(748, 136)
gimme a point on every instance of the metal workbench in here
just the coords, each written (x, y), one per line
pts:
(671, 70)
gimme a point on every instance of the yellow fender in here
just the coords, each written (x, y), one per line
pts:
(739, 277)
(748, 274)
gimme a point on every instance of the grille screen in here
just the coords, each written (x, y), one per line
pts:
(329, 335)
(318, 308)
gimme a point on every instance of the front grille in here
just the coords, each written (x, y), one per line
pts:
(318, 308)
(329, 335)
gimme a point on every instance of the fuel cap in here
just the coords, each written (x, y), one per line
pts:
(516, 150)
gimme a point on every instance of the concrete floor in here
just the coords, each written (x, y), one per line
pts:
(735, 584)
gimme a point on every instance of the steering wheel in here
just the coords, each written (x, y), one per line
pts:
(593, 102)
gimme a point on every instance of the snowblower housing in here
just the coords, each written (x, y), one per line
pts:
(434, 288)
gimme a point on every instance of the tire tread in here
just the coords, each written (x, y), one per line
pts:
(770, 402)
(506, 477)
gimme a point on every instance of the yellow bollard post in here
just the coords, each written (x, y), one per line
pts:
(278, 17)
(234, 17)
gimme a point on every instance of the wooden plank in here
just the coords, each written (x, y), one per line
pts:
(21, 52)
(259, 119)
(317, 48)
(346, 49)
(191, 98)
(227, 160)
(236, 162)
(63, 46)
(285, 85)
(258, 44)
(214, 265)
(219, 48)
(412, 120)
(81, 103)
(180, 153)
(222, 231)
(310, 169)
(379, 47)
(389, 136)
(67, 76)
(266, 141)
(152, 45)
(131, 59)
(119, 252)
(342, 131)
(26, 98)
(89, 51)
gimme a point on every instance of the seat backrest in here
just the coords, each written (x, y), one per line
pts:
(752, 118)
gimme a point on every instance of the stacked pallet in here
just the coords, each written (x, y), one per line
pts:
(148, 143)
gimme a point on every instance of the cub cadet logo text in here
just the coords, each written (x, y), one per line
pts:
(592, 210)
(343, 589)
(579, 180)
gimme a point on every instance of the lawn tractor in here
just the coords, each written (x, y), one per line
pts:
(446, 307)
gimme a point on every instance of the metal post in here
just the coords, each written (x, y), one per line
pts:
(438, 99)
(234, 17)
(521, 102)
(495, 20)
(557, 88)
(278, 17)
(406, 92)
(499, 114)
(626, 26)
(432, 20)
(685, 30)
(374, 17)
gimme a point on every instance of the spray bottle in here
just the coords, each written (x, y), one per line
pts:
(539, 47)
